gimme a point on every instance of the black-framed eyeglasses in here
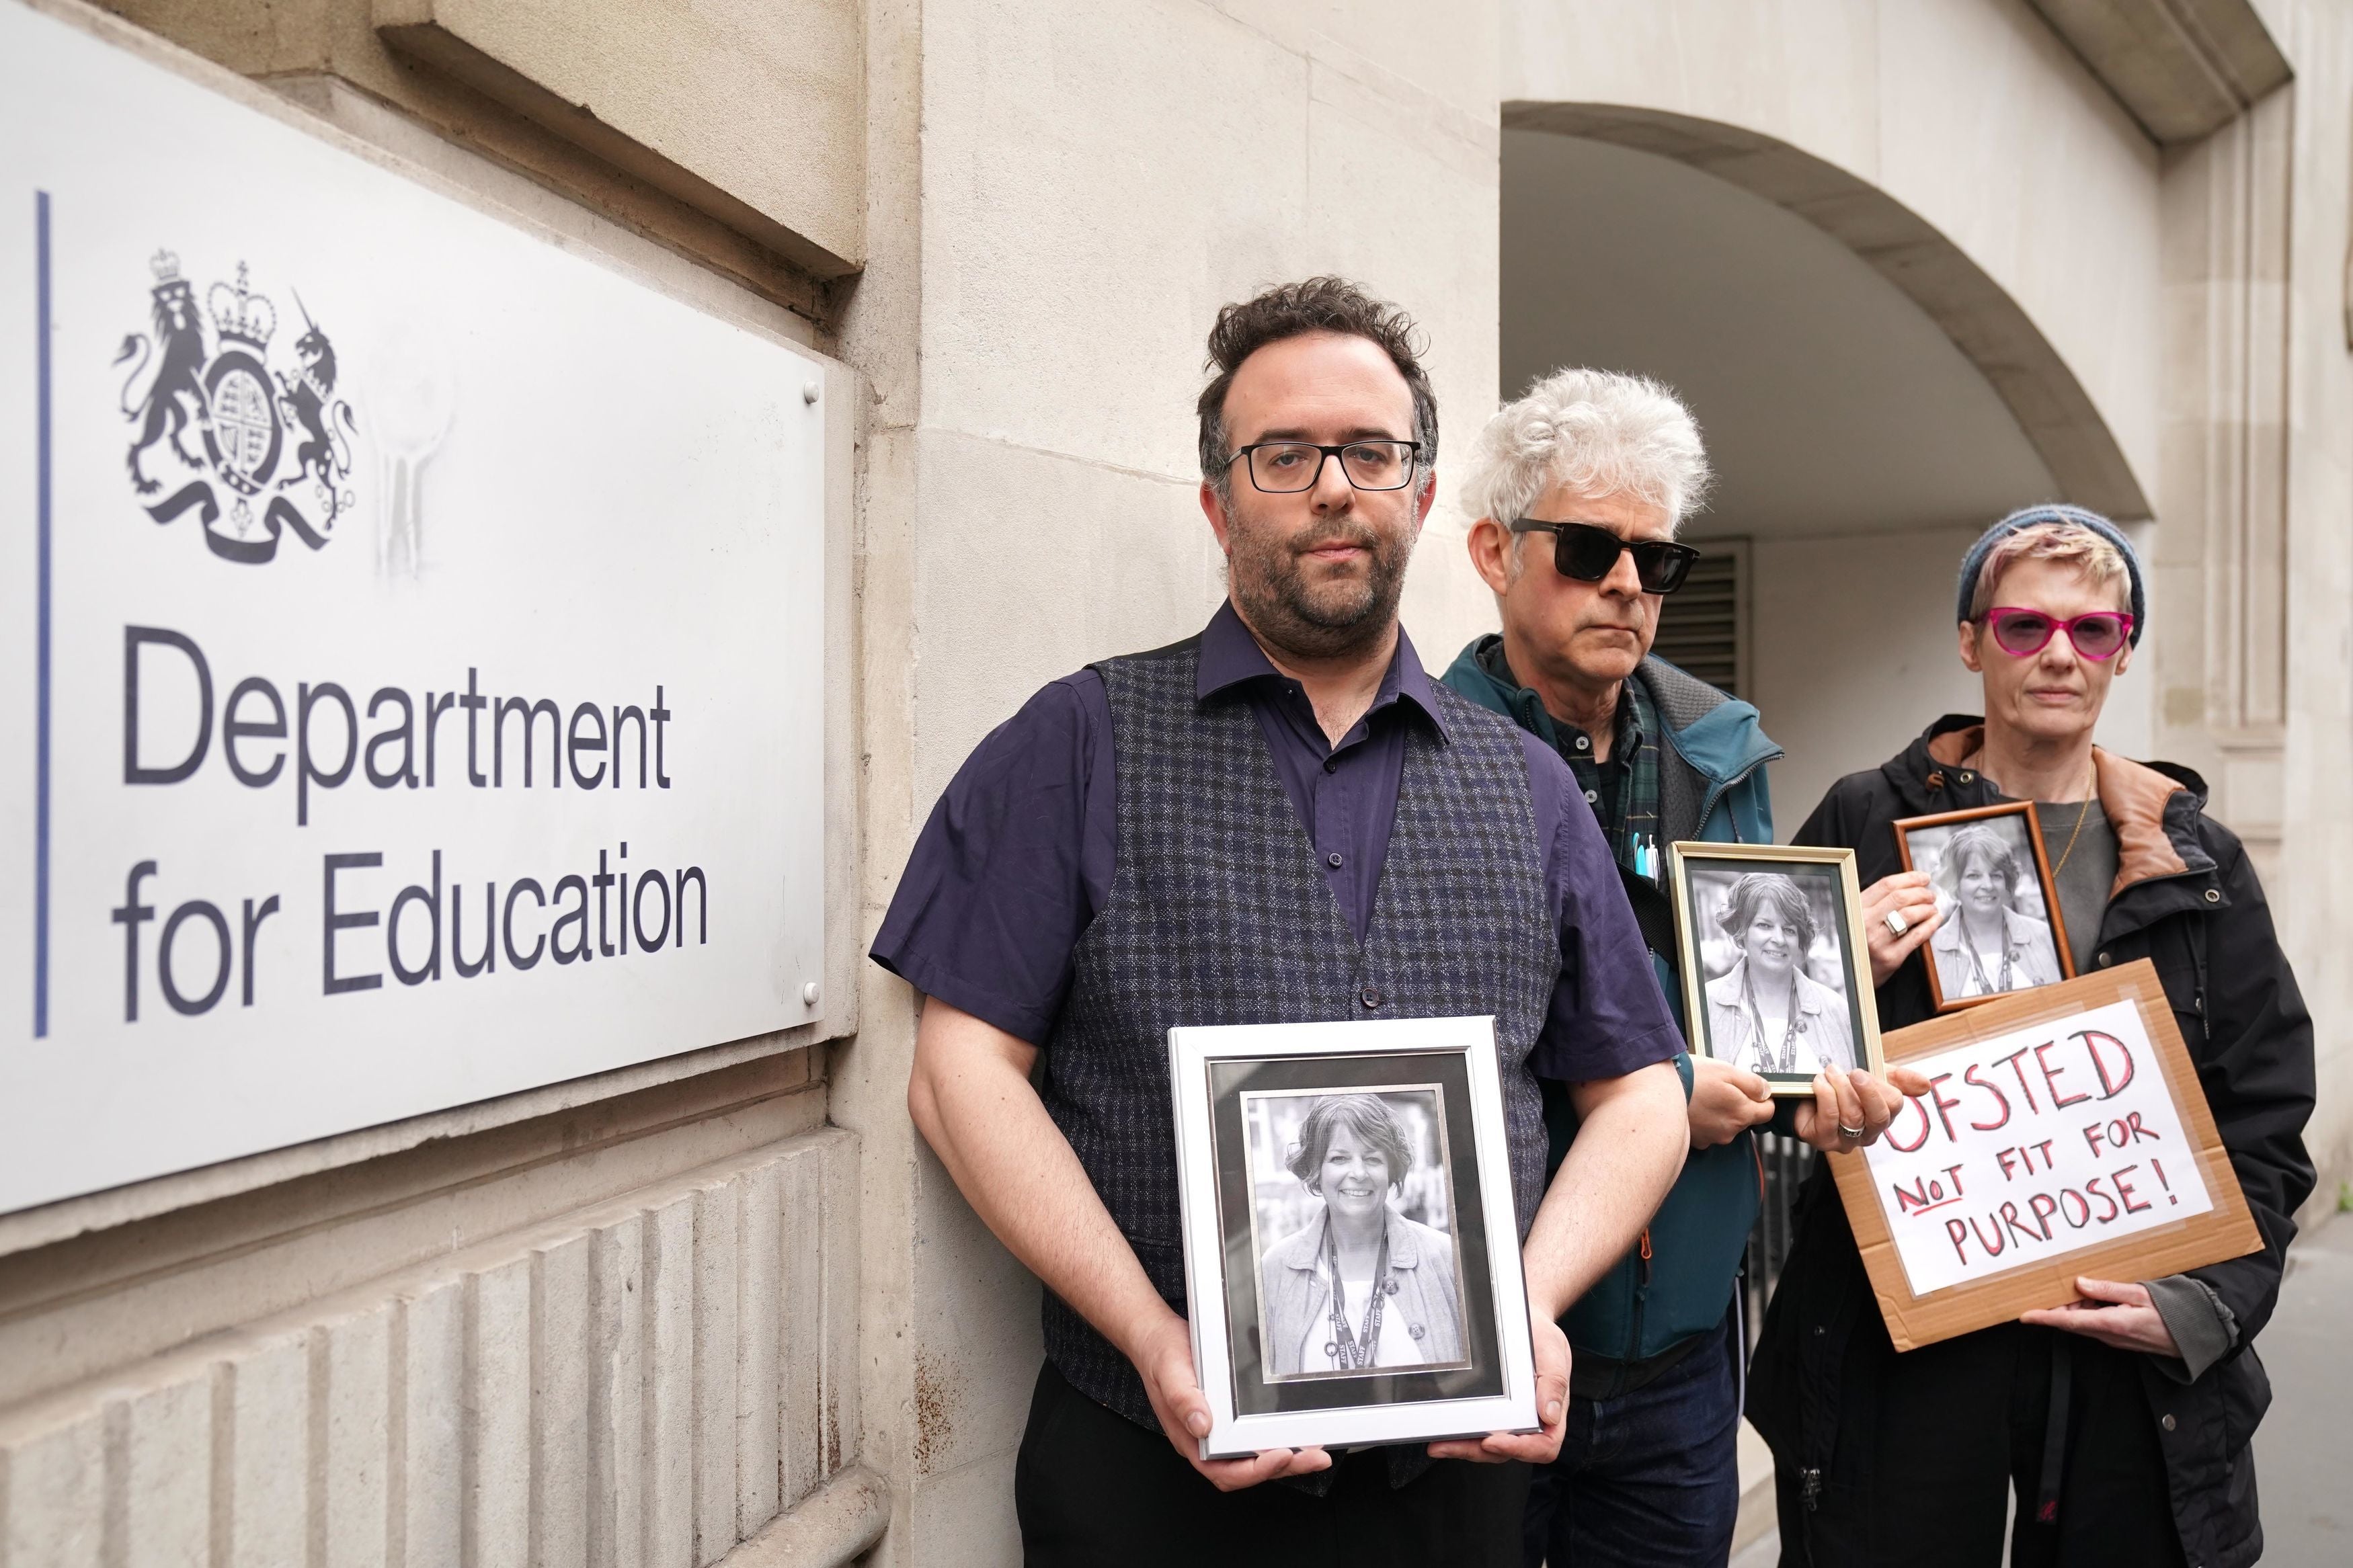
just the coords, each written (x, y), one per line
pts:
(1588, 553)
(1286, 467)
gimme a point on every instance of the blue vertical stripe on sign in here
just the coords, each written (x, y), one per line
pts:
(41, 591)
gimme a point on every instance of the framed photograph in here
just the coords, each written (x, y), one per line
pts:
(1776, 971)
(2001, 930)
(1352, 1261)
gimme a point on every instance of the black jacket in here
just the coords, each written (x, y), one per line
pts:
(2185, 899)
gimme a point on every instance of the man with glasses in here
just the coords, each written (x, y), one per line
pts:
(1280, 819)
(2122, 1423)
(1578, 488)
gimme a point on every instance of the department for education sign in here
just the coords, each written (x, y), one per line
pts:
(411, 643)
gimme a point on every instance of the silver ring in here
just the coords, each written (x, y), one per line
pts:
(1896, 924)
(1854, 1134)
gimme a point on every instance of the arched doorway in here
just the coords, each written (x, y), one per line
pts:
(1869, 399)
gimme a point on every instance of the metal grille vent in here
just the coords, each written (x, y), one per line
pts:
(1704, 625)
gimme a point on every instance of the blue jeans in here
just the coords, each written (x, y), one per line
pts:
(1651, 1478)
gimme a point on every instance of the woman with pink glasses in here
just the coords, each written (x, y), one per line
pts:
(2124, 1422)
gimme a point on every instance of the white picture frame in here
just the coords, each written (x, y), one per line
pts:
(1246, 1097)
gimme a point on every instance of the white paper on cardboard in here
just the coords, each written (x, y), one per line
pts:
(2033, 1144)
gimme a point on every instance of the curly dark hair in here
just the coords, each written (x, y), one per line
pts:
(1367, 1116)
(1294, 310)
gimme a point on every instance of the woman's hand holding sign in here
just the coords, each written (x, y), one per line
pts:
(2117, 1313)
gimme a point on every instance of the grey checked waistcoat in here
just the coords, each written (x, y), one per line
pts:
(1218, 913)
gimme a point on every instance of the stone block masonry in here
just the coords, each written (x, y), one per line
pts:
(640, 1385)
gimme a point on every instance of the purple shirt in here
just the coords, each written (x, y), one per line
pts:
(1017, 855)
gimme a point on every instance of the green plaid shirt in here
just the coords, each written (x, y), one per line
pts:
(1623, 791)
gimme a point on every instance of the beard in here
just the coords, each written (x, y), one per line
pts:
(1307, 610)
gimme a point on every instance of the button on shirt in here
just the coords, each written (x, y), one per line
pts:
(1624, 791)
(1017, 855)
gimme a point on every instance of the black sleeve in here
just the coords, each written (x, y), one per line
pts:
(1826, 829)
(1856, 814)
(2257, 1072)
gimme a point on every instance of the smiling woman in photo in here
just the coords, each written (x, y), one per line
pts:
(1360, 1287)
(1766, 1013)
(1990, 946)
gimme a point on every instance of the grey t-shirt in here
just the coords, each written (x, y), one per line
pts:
(2088, 873)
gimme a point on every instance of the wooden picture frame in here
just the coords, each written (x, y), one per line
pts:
(2046, 1278)
(1701, 875)
(1934, 955)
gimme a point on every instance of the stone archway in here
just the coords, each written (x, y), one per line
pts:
(2052, 409)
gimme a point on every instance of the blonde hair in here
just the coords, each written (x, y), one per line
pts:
(2063, 543)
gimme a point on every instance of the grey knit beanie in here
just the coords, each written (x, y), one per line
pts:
(1974, 562)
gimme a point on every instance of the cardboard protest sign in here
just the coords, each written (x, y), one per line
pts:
(2065, 1134)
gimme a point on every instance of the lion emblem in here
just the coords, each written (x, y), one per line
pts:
(173, 394)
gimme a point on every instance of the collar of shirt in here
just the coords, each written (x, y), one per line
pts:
(1628, 726)
(1627, 731)
(1231, 657)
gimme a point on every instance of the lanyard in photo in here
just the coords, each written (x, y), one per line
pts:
(1977, 963)
(1343, 1347)
(1787, 1061)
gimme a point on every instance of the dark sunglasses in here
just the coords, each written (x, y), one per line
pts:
(2024, 633)
(1587, 553)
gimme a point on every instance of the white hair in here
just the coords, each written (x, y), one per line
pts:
(1595, 431)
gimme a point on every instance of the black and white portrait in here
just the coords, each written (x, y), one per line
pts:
(1352, 1226)
(1351, 1240)
(1775, 966)
(1996, 931)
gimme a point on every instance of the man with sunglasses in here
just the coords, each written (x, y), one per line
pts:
(1280, 819)
(2123, 1422)
(1578, 488)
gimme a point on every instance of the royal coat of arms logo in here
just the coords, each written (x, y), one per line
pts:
(278, 442)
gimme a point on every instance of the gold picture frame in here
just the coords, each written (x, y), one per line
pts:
(1728, 1017)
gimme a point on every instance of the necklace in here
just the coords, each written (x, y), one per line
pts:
(1786, 1061)
(1346, 1351)
(2091, 792)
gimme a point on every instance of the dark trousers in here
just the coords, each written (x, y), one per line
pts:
(1650, 1477)
(1093, 1488)
(1929, 1452)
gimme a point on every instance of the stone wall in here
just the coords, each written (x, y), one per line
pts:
(1094, 182)
(557, 1329)
(646, 1380)
(610, 1321)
